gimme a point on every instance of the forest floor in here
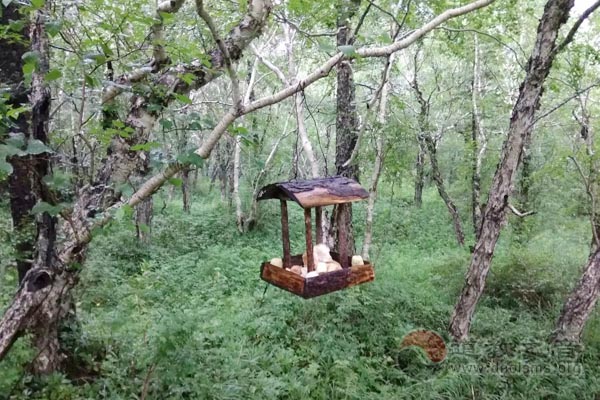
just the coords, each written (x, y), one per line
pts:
(185, 317)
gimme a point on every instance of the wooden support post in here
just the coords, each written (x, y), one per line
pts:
(342, 235)
(285, 236)
(319, 224)
(309, 246)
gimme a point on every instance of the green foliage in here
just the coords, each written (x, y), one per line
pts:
(187, 314)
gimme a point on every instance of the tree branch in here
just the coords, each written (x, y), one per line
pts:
(323, 71)
(235, 84)
(519, 213)
(565, 101)
(569, 38)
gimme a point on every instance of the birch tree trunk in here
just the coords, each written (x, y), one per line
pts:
(379, 157)
(556, 13)
(298, 106)
(37, 235)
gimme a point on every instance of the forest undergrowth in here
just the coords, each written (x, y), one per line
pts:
(187, 316)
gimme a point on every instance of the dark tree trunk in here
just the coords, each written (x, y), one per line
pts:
(25, 182)
(428, 144)
(186, 190)
(439, 183)
(420, 174)
(523, 190)
(475, 182)
(143, 219)
(582, 299)
(346, 125)
(144, 211)
(580, 303)
(556, 13)
(36, 234)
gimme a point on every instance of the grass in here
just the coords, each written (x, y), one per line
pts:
(185, 317)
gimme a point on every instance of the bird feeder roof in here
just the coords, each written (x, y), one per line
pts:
(315, 192)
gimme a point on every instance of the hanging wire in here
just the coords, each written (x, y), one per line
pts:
(296, 159)
(305, 103)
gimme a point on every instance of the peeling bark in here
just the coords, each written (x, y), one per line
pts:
(580, 304)
(581, 301)
(556, 13)
(25, 183)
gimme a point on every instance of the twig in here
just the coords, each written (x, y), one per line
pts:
(235, 85)
(565, 101)
(146, 384)
(588, 189)
(489, 36)
(519, 213)
(569, 38)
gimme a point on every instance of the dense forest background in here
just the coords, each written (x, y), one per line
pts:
(134, 139)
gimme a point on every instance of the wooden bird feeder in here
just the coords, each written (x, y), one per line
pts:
(309, 194)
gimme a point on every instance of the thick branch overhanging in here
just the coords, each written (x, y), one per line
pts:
(325, 69)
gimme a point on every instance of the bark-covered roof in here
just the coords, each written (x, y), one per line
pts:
(315, 192)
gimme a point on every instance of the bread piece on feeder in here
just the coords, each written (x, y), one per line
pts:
(277, 262)
(296, 269)
(357, 260)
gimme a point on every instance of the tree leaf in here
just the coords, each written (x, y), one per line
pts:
(36, 146)
(43, 207)
(176, 182)
(188, 78)
(325, 45)
(166, 123)
(16, 140)
(53, 28)
(145, 146)
(53, 75)
(5, 167)
(183, 98)
(189, 157)
(348, 50)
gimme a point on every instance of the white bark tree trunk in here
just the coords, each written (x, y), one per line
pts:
(379, 157)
